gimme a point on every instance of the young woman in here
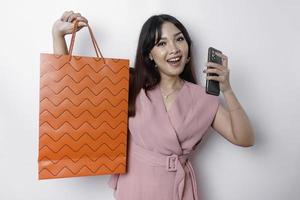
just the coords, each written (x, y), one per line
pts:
(168, 111)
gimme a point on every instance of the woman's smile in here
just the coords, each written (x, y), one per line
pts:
(170, 53)
(175, 61)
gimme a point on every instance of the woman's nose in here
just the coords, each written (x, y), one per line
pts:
(174, 48)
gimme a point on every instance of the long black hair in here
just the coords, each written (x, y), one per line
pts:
(145, 75)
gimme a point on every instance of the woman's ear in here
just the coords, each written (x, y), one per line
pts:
(150, 56)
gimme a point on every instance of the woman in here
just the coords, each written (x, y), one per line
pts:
(168, 112)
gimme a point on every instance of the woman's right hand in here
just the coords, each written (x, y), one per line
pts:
(65, 25)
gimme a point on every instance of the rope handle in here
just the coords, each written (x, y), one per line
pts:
(96, 47)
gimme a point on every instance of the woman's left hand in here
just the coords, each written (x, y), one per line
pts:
(221, 70)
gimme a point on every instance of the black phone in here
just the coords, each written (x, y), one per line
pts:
(212, 86)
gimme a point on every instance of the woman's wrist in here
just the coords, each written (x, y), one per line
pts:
(56, 34)
(229, 90)
(229, 94)
(59, 44)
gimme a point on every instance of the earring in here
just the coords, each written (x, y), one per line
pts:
(152, 60)
(188, 60)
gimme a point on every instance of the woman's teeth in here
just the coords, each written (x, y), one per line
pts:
(174, 60)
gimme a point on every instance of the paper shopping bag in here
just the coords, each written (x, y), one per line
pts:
(83, 114)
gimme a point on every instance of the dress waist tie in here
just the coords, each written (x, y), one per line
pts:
(172, 163)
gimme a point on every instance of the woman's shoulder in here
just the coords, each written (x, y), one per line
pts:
(199, 91)
(194, 87)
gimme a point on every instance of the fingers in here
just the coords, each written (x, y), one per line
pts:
(221, 70)
(70, 16)
(214, 65)
(73, 16)
(66, 15)
(211, 65)
(82, 22)
(215, 70)
(81, 18)
(216, 78)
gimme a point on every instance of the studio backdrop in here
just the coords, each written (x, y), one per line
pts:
(261, 40)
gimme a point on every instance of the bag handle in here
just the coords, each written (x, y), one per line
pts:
(96, 47)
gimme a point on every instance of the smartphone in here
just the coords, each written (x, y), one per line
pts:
(212, 86)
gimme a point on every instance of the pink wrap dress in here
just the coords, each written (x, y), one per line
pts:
(160, 143)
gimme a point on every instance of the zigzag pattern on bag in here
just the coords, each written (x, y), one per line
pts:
(83, 116)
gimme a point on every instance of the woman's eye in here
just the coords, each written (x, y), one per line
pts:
(161, 44)
(180, 38)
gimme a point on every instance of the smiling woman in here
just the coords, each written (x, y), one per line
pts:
(170, 53)
(168, 112)
(163, 59)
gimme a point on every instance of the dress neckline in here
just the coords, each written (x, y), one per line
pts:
(176, 97)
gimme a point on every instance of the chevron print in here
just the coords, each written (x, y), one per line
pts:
(83, 116)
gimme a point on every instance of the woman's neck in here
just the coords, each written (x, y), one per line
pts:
(170, 83)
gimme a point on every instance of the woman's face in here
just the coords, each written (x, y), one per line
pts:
(170, 53)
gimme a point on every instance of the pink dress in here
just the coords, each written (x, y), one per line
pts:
(160, 143)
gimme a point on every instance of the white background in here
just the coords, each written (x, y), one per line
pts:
(261, 39)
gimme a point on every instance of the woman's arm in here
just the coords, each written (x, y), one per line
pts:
(232, 123)
(59, 44)
(62, 27)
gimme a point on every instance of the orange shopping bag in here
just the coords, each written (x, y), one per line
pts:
(83, 114)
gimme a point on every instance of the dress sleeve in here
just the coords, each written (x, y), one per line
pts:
(204, 110)
(207, 105)
(214, 104)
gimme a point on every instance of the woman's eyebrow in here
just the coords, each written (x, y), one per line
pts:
(163, 38)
